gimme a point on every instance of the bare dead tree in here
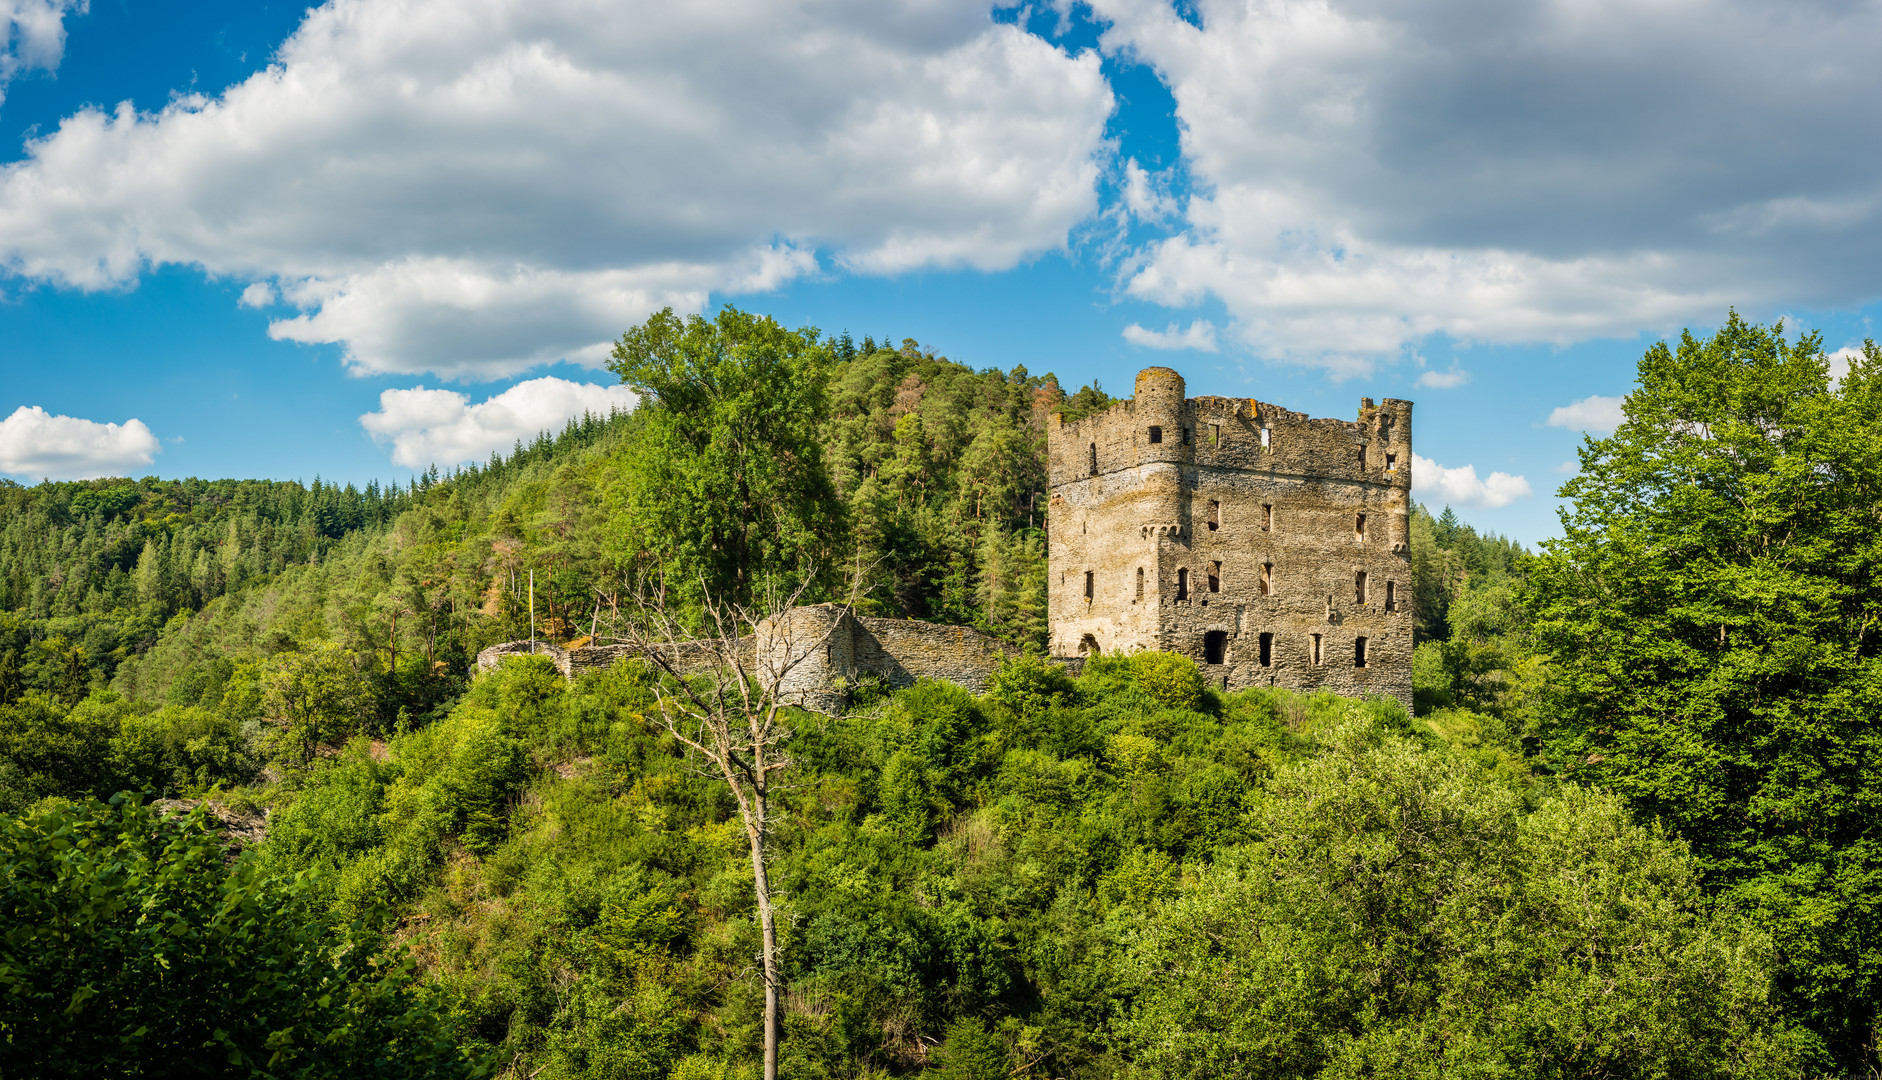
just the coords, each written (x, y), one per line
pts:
(726, 696)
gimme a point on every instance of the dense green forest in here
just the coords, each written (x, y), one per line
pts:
(1630, 830)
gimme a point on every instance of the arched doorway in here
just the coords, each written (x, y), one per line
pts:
(1088, 646)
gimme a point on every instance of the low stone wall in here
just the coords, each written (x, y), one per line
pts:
(824, 644)
(903, 651)
(688, 656)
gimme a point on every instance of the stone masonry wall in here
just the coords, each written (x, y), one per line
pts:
(817, 646)
(1201, 525)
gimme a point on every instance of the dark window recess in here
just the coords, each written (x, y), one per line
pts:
(1359, 587)
(1359, 527)
(1094, 459)
(1215, 577)
(1185, 436)
(1316, 649)
(1362, 459)
(1090, 578)
(1156, 434)
(1267, 579)
(1215, 646)
(1391, 596)
(1088, 646)
(1182, 583)
(1215, 434)
(1267, 650)
(1391, 463)
(1140, 583)
(1215, 514)
(1359, 652)
(1267, 517)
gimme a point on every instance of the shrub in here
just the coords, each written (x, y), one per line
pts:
(1168, 679)
(129, 947)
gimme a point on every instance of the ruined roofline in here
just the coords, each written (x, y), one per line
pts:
(1256, 409)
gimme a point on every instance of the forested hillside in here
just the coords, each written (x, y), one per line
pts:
(1597, 848)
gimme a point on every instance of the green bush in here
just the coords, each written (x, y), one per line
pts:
(1168, 679)
(129, 947)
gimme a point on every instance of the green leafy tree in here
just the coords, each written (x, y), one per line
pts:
(1402, 917)
(726, 486)
(129, 947)
(319, 696)
(1713, 610)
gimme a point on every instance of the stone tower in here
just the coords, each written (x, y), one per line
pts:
(1270, 547)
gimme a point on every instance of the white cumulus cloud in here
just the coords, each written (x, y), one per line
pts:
(1200, 335)
(472, 187)
(41, 446)
(1594, 414)
(443, 427)
(1461, 486)
(1367, 174)
(32, 36)
(1444, 380)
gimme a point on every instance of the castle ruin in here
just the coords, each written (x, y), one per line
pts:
(1271, 548)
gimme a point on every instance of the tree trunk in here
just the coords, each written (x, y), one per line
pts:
(768, 927)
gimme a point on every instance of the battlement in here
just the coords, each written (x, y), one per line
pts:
(1269, 545)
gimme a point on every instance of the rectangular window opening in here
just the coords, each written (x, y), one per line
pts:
(1267, 579)
(1267, 650)
(1267, 517)
(1264, 438)
(1359, 652)
(1182, 584)
(1215, 434)
(1094, 459)
(1362, 459)
(1215, 577)
(1316, 650)
(1391, 596)
(1359, 587)
(1185, 436)
(1215, 646)
(1140, 583)
(1156, 434)
(1090, 585)
(1215, 514)
(1359, 527)
(1391, 463)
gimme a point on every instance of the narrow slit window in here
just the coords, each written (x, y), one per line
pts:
(1267, 517)
(1391, 596)
(1215, 577)
(1140, 583)
(1182, 584)
(1359, 587)
(1359, 652)
(1090, 585)
(1156, 434)
(1215, 646)
(1264, 438)
(1094, 459)
(1316, 649)
(1267, 579)
(1362, 459)
(1267, 650)
(1215, 434)
(1359, 527)
(1215, 514)
(1391, 463)
(1185, 436)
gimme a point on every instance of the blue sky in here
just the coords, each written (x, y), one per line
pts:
(263, 240)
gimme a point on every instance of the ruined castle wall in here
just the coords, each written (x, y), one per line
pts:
(904, 650)
(1241, 520)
